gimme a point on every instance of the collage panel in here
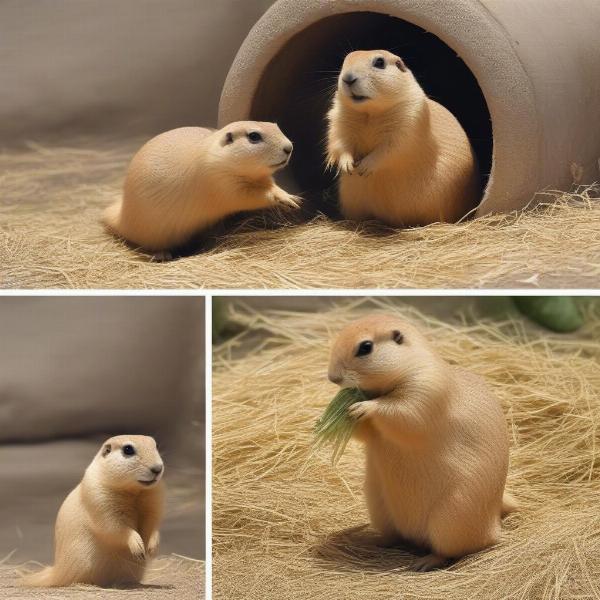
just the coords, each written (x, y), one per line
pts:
(214, 145)
(102, 457)
(418, 447)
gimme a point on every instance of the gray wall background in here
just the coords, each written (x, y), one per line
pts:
(115, 67)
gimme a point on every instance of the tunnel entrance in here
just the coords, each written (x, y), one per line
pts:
(296, 88)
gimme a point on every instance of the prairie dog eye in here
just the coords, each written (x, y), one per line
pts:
(254, 137)
(379, 63)
(364, 348)
(128, 450)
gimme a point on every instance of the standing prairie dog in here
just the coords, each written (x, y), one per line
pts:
(435, 436)
(107, 527)
(402, 158)
(187, 179)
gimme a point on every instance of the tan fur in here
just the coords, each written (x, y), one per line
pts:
(107, 528)
(187, 179)
(436, 441)
(403, 158)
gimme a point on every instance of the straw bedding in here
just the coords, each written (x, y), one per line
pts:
(51, 200)
(168, 578)
(289, 525)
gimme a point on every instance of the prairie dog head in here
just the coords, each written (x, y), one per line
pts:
(374, 80)
(129, 462)
(255, 147)
(379, 353)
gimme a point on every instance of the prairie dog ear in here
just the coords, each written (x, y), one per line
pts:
(227, 139)
(400, 64)
(106, 450)
(397, 336)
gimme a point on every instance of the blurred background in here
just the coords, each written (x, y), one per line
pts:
(77, 370)
(557, 314)
(80, 67)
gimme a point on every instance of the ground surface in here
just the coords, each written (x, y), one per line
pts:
(52, 198)
(167, 578)
(288, 525)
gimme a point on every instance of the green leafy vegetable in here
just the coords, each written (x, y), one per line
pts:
(336, 425)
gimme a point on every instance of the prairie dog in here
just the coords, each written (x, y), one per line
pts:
(187, 179)
(402, 158)
(435, 436)
(107, 527)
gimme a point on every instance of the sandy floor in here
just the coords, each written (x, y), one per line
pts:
(52, 198)
(167, 578)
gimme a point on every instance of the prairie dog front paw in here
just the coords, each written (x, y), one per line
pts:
(361, 410)
(153, 543)
(136, 545)
(346, 164)
(286, 200)
(364, 168)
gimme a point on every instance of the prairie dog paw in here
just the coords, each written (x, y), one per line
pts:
(136, 545)
(162, 256)
(364, 168)
(346, 164)
(428, 563)
(153, 543)
(288, 200)
(361, 410)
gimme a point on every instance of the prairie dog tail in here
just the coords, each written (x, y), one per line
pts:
(509, 504)
(44, 578)
(111, 217)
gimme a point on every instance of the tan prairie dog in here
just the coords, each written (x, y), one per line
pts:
(435, 436)
(107, 527)
(187, 179)
(402, 158)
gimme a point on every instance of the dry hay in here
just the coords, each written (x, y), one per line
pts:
(287, 525)
(51, 200)
(170, 577)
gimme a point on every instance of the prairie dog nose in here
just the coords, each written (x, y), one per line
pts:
(156, 469)
(288, 149)
(337, 379)
(349, 79)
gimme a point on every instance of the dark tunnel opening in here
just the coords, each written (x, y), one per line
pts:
(296, 88)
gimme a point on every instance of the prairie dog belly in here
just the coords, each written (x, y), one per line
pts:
(427, 176)
(392, 195)
(406, 487)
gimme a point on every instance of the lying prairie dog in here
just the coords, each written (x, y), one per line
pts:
(107, 528)
(403, 159)
(186, 180)
(435, 436)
